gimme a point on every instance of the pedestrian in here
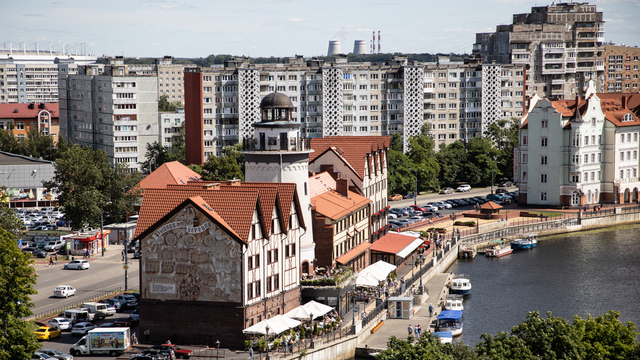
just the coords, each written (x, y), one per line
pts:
(286, 346)
(430, 310)
(134, 339)
(123, 255)
(419, 330)
(251, 353)
(51, 260)
(415, 330)
(56, 259)
(410, 329)
(146, 336)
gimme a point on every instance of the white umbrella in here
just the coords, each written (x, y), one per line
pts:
(317, 309)
(367, 280)
(276, 324)
(298, 313)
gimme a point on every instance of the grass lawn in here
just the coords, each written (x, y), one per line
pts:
(546, 213)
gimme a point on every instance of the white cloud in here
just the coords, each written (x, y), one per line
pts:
(296, 19)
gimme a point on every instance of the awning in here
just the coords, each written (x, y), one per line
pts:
(317, 309)
(353, 253)
(410, 248)
(276, 324)
(393, 243)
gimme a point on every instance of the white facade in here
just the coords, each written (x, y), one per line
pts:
(170, 124)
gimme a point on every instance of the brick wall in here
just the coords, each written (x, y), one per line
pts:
(323, 237)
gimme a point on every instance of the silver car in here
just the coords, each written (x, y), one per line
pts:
(81, 329)
(57, 354)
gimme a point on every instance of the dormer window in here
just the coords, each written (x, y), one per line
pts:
(628, 117)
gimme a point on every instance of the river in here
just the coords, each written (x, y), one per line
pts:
(571, 274)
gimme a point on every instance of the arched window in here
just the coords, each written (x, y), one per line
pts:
(628, 117)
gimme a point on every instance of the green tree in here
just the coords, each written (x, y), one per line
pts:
(85, 182)
(229, 166)
(9, 221)
(398, 180)
(39, 145)
(17, 281)
(427, 347)
(606, 337)
(422, 158)
(155, 156)
(481, 160)
(504, 134)
(452, 159)
(9, 142)
(165, 106)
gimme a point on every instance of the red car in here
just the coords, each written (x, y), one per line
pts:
(417, 208)
(123, 322)
(180, 353)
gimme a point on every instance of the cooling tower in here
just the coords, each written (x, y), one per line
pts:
(360, 47)
(334, 47)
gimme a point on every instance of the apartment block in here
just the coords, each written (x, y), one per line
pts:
(560, 45)
(622, 64)
(170, 77)
(20, 119)
(105, 107)
(31, 76)
(170, 125)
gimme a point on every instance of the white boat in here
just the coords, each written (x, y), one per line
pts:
(445, 337)
(467, 252)
(450, 320)
(460, 285)
(498, 251)
(526, 241)
(454, 302)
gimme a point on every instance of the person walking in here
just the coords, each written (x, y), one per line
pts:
(123, 255)
(56, 259)
(419, 330)
(286, 346)
(51, 260)
(410, 329)
(430, 310)
(250, 353)
(415, 330)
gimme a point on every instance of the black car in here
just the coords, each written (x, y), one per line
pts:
(39, 253)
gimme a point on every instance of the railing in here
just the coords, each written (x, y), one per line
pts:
(304, 344)
(59, 309)
(519, 229)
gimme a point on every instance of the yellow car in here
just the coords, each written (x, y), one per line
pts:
(395, 197)
(46, 333)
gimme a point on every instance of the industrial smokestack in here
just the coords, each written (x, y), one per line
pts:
(334, 47)
(360, 47)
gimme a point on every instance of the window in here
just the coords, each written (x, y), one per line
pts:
(543, 178)
(543, 196)
(253, 262)
(622, 155)
(586, 140)
(524, 139)
(544, 123)
(543, 141)
(586, 158)
(543, 160)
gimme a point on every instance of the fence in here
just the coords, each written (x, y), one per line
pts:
(59, 309)
(527, 227)
(302, 345)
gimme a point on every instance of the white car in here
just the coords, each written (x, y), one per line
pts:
(435, 206)
(64, 291)
(430, 208)
(78, 265)
(60, 322)
(392, 216)
(464, 188)
(82, 328)
(443, 205)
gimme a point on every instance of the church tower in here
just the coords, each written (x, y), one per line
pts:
(278, 154)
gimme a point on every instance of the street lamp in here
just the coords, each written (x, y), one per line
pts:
(217, 348)
(266, 339)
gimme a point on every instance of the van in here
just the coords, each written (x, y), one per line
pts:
(98, 309)
(77, 315)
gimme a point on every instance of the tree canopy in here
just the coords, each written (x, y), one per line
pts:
(35, 144)
(229, 166)
(166, 106)
(9, 220)
(17, 281)
(87, 184)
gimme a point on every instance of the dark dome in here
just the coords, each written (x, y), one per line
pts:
(276, 101)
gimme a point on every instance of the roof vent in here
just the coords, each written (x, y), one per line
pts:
(15, 111)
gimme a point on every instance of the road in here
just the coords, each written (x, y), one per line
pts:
(105, 274)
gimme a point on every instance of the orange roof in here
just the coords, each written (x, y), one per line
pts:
(22, 111)
(235, 208)
(169, 173)
(490, 205)
(351, 254)
(392, 243)
(353, 149)
(200, 203)
(616, 106)
(334, 205)
(321, 183)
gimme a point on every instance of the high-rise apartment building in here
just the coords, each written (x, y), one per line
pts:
(622, 64)
(31, 76)
(338, 98)
(170, 77)
(559, 45)
(105, 107)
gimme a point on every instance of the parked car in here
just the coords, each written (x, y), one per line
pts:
(501, 191)
(434, 205)
(417, 208)
(430, 208)
(392, 216)
(446, 190)
(399, 212)
(53, 245)
(117, 304)
(111, 310)
(416, 218)
(128, 300)
(498, 197)
(39, 253)
(64, 291)
(47, 332)
(57, 354)
(136, 255)
(77, 265)
(41, 356)
(410, 196)
(135, 316)
(444, 205)
(395, 197)
(180, 353)
(60, 322)
(81, 329)
(62, 222)
(505, 184)
(464, 188)
(124, 322)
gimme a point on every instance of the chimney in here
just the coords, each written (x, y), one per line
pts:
(212, 186)
(342, 186)
(234, 182)
(623, 98)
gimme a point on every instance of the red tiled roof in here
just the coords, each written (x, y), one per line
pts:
(616, 106)
(334, 205)
(200, 203)
(353, 253)
(392, 243)
(8, 111)
(235, 208)
(353, 149)
(490, 205)
(169, 173)
(321, 183)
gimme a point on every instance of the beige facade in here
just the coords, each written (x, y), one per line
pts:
(622, 64)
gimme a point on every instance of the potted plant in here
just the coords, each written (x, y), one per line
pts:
(315, 330)
(262, 344)
(247, 344)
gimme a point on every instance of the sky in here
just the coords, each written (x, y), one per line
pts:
(280, 28)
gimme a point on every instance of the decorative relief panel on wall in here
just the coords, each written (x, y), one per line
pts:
(190, 258)
(248, 101)
(491, 95)
(332, 104)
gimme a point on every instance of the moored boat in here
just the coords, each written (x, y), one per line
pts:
(526, 241)
(445, 336)
(451, 321)
(467, 251)
(454, 302)
(498, 251)
(460, 284)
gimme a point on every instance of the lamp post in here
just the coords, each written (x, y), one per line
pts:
(266, 339)
(101, 227)
(217, 348)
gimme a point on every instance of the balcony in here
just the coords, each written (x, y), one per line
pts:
(624, 180)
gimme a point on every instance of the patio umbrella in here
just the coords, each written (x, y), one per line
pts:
(298, 313)
(277, 324)
(317, 309)
(367, 280)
